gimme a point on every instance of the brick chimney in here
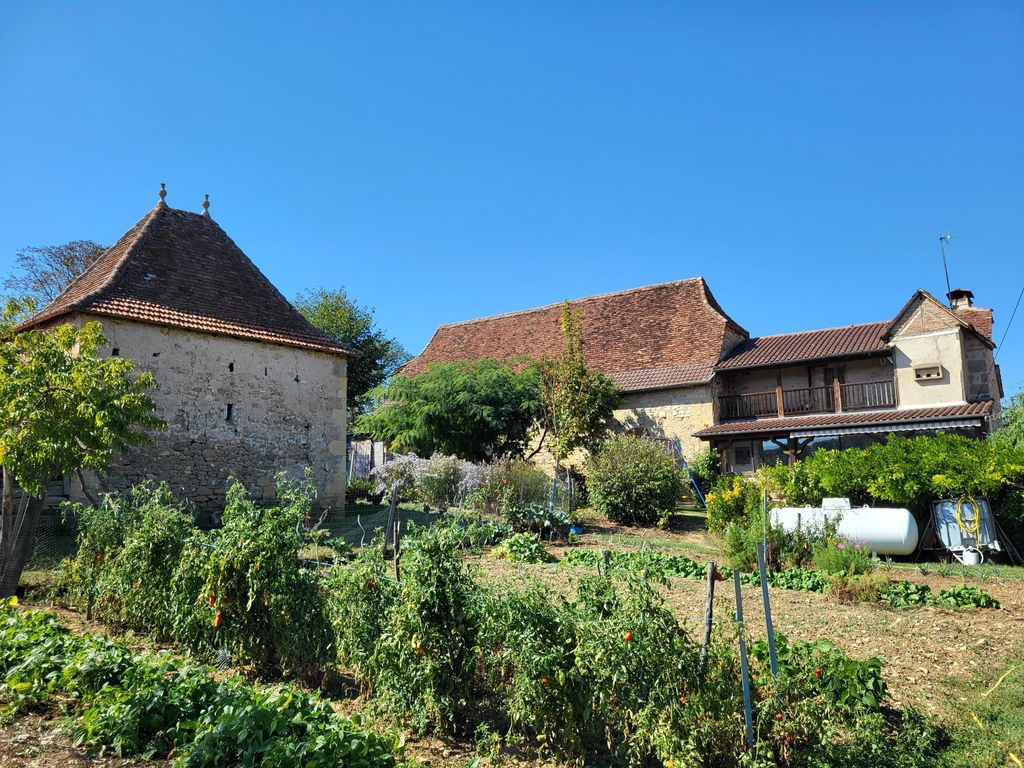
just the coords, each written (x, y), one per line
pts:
(962, 302)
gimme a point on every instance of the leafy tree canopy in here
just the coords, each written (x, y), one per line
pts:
(577, 403)
(1011, 433)
(43, 271)
(63, 407)
(478, 410)
(380, 355)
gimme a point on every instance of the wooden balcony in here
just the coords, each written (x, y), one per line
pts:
(802, 401)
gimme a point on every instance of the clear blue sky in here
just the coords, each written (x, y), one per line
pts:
(444, 161)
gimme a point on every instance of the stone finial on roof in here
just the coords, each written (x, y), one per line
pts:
(163, 194)
(206, 206)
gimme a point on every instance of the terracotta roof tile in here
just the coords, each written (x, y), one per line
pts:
(861, 418)
(663, 378)
(653, 337)
(978, 318)
(181, 269)
(786, 348)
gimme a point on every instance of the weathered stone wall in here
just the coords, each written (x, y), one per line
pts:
(287, 412)
(980, 370)
(666, 414)
(670, 413)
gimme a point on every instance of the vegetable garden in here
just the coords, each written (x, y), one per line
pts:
(495, 641)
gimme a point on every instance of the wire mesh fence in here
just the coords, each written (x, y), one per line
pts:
(55, 538)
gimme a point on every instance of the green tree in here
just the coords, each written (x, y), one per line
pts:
(477, 410)
(577, 403)
(379, 354)
(43, 271)
(1011, 433)
(63, 409)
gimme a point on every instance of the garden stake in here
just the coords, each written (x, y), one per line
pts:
(709, 608)
(767, 611)
(606, 555)
(744, 671)
(392, 510)
(398, 551)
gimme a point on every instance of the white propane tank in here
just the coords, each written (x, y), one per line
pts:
(885, 530)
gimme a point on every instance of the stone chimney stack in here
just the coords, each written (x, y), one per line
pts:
(979, 318)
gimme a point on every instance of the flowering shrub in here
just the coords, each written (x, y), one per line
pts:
(839, 555)
(399, 476)
(439, 482)
(730, 501)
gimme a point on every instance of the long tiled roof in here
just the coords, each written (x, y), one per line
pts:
(787, 348)
(653, 337)
(180, 269)
(862, 418)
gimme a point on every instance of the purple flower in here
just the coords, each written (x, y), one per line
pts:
(841, 545)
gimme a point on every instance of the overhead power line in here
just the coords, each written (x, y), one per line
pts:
(1009, 323)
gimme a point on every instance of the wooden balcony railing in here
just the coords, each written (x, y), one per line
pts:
(750, 406)
(868, 395)
(808, 400)
(834, 398)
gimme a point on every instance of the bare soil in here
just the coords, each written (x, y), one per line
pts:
(33, 741)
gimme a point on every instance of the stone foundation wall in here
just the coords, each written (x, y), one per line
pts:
(233, 408)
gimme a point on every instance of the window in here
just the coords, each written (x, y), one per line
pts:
(927, 372)
(115, 352)
(742, 458)
(231, 412)
(231, 367)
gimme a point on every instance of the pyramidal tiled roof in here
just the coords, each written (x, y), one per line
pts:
(180, 269)
(658, 336)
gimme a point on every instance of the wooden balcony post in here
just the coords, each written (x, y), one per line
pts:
(837, 395)
(778, 400)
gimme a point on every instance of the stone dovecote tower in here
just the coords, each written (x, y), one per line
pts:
(247, 386)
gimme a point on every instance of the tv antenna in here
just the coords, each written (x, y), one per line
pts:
(943, 240)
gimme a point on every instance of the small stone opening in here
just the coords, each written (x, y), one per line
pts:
(231, 412)
(231, 367)
(115, 352)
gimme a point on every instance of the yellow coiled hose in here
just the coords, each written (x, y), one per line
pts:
(972, 525)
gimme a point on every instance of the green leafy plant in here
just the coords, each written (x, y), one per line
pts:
(154, 706)
(423, 664)
(479, 410)
(633, 480)
(359, 595)
(841, 556)
(576, 403)
(128, 551)
(523, 548)
(731, 501)
(362, 489)
(64, 408)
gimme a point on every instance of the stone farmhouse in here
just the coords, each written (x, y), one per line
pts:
(246, 385)
(689, 372)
